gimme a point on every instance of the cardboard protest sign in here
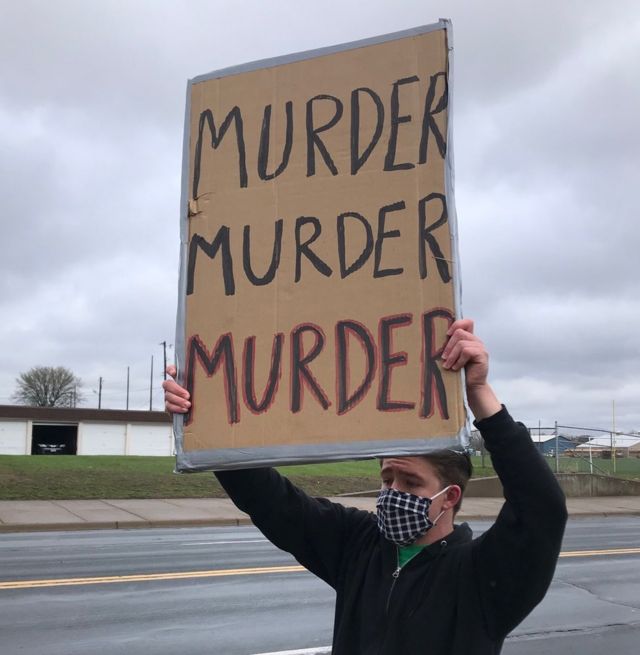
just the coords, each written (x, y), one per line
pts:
(319, 269)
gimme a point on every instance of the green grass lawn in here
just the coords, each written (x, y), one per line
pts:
(58, 477)
(47, 477)
(625, 467)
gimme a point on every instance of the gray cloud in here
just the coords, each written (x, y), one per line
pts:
(546, 142)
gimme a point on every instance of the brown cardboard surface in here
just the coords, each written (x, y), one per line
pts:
(235, 215)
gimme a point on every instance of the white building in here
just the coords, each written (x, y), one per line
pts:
(79, 431)
(625, 445)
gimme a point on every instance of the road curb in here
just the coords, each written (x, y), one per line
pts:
(51, 527)
(218, 522)
(122, 525)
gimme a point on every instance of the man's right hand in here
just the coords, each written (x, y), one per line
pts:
(176, 398)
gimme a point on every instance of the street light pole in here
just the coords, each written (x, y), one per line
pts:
(151, 387)
(164, 352)
(613, 434)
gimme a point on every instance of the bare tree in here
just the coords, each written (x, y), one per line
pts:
(48, 386)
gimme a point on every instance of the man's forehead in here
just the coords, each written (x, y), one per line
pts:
(414, 463)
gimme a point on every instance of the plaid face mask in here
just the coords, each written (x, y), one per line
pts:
(403, 517)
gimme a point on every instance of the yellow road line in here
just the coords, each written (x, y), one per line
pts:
(596, 553)
(218, 573)
(148, 577)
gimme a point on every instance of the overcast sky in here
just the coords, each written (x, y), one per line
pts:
(547, 153)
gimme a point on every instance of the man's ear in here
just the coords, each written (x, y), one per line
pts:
(452, 496)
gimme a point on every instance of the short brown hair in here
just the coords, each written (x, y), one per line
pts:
(452, 467)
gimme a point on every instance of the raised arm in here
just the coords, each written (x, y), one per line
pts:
(515, 559)
(313, 530)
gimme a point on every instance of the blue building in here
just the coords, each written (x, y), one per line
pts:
(546, 443)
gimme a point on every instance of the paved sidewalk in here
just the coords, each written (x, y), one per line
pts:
(17, 516)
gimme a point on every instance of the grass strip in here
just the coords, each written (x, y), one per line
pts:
(70, 477)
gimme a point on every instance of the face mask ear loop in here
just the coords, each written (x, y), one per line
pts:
(442, 491)
(444, 510)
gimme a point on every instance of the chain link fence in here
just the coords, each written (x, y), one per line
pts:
(574, 449)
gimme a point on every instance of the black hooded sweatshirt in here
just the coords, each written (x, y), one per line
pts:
(459, 596)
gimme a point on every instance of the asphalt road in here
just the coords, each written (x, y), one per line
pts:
(228, 591)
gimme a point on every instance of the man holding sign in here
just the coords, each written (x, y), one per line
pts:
(410, 580)
(319, 289)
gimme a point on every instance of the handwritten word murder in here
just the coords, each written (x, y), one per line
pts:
(380, 361)
(360, 147)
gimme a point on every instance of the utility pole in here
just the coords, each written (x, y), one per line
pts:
(127, 387)
(151, 387)
(555, 430)
(100, 394)
(164, 352)
(613, 434)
